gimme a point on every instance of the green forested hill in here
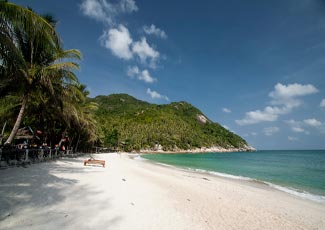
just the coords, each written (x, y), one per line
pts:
(132, 124)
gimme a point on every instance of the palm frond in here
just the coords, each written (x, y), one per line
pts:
(63, 65)
(69, 54)
(31, 22)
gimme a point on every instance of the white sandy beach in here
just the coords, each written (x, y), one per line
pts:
(133, 194)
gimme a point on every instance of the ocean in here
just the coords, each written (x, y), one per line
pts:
(299, 172)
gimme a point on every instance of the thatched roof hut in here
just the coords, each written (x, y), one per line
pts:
(25, 133)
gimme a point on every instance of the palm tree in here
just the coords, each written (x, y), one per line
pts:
(31, 57)
(78, 112)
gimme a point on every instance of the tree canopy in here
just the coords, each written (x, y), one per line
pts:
(37, 74)
(131, 124)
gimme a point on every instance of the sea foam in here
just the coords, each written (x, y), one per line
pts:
(292, 191)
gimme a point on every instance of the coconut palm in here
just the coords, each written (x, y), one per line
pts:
(31, 57)
(80, 116)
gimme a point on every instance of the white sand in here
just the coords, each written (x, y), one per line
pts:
(131, 194)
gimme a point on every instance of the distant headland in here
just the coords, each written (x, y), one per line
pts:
(132, 125)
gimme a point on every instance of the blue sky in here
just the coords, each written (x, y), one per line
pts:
(257, 67)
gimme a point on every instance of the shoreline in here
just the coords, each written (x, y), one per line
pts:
(253, 181)
(137, 194)
(213, 149)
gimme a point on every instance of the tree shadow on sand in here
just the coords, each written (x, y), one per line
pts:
(33, 196)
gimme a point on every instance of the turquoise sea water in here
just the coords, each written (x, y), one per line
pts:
(299, 172)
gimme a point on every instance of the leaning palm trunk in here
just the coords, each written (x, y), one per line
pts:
(77, 145)
(18, 121)
(31, 46)
(3, 131)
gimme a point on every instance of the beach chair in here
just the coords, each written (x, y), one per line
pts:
(94, 161)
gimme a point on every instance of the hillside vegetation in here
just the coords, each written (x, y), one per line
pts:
(132, 124)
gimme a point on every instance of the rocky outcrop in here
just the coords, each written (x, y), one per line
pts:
(213, 149)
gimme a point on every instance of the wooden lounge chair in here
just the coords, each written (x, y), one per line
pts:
(94, 161)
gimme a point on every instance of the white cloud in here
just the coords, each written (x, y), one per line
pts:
(226, 110)
(145, 76)
(313, 122)
(270, 131)
(298, 129)
(118, 40)
(127, 6)
(301, 126)
(105, 11)
(284, 100)
(155, 95)
(226, 127)
(292, 90)
(293, 122)
(250, 134)
(322, 103)
(117, 37)
(296, 126)
(94, 9)
(145, 51)
(132, 71)
(257, 116)
(287, 95)
(292, 138)
(153, 30)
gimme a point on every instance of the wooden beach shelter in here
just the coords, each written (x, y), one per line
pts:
(24, 133)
